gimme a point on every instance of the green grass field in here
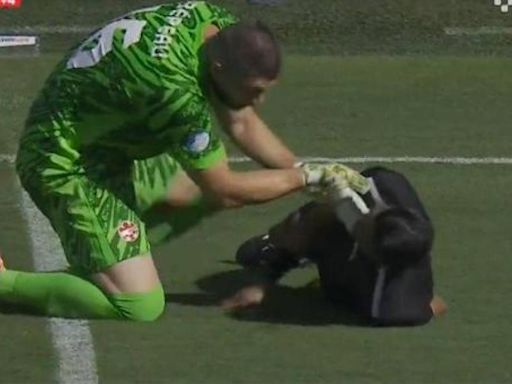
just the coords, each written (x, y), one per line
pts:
(324, 106)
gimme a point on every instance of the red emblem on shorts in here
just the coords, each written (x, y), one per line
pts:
(128, 231)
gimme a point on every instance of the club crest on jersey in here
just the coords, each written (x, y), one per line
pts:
(128, 231)
(197, 142)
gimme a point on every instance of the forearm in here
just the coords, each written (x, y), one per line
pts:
(258, 142)
(256, 187)
(261, 145)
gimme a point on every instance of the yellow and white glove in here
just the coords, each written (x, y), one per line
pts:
(320, 176)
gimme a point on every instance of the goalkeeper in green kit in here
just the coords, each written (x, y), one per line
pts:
(121, 134)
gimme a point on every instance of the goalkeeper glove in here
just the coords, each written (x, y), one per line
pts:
(326, 175)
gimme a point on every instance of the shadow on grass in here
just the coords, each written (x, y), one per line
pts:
(282, 305)
(17, 309)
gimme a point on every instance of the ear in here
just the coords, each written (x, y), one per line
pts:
(216, 66)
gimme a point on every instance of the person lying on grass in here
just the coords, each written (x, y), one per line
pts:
(372, 252)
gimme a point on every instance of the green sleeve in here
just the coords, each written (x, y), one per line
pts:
(221, 17)
(193, 141)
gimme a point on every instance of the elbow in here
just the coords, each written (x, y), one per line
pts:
(237, 131)
(225, 190)
(228, 203)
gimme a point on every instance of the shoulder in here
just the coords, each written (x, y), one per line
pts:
(394, 187)
(194, 106)
(219, 16)
(382, 172)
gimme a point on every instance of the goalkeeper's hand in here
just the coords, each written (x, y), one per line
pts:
(324, 176)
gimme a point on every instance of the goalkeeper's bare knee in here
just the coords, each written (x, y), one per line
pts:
(143, 307)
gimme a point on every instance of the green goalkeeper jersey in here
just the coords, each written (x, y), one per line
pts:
(132, 90)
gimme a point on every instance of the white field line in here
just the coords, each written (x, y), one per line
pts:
(64, 29)
(9, 159)
(71, 338)
(68, 29)
(49, 29)
(477, 31)
(399, 159)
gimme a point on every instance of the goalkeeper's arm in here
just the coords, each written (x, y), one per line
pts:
(231, 189)
(255, 139)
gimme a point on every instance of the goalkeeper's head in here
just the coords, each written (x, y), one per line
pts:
(244, 61)
(394, 235)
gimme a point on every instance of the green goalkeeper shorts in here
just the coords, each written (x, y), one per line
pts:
(96, 208)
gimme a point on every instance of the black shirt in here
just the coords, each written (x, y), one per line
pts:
(388, 294)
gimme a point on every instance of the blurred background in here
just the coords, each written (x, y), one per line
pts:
(344, 27)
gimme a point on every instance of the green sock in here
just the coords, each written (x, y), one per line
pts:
(61, 294)
(56, 294)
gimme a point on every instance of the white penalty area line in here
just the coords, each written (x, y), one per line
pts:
(79, 29)
(72, 339)
(7, 159)
(50, 29)
(399, 159)
(65, 29)
(477, 31)
(10, 159)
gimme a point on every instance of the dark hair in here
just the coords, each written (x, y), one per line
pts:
(402, 236)
(251, 49)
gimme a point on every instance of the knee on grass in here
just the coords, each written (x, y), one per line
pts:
(140, 307)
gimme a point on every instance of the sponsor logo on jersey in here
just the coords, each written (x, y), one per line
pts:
(128, 231)
(10, 3)
(197, 142)
(165, 34)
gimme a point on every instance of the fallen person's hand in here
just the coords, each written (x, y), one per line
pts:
(246, 297)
